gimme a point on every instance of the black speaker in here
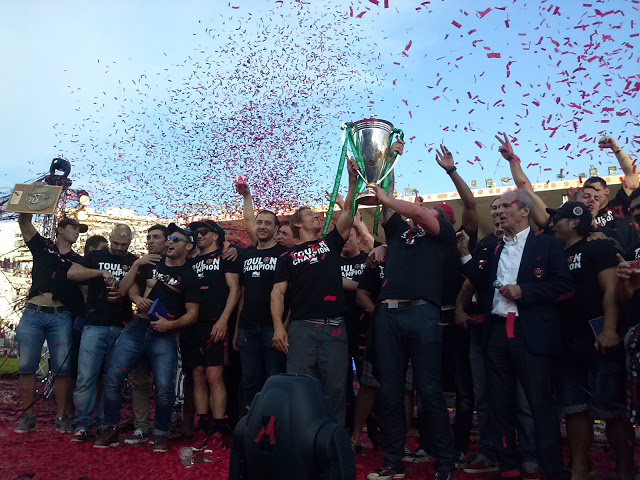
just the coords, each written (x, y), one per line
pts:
(290, 433)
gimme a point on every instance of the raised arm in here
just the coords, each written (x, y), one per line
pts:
(367, 238)
(130, 278)
(631, 180)
(469, 212)
(426, 218)
(26, 226)
(540, 215)
(345, 221)
(78, 273)
(248, 213)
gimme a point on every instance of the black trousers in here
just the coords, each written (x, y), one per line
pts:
(508, 360)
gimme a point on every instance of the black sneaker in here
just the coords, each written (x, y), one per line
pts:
(110, 437)
(63, 425)
(161, 443)
(27, 424)
(419, 456)
(80, 436)
(385, 473)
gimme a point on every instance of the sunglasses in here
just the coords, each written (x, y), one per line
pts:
(176, 238)
(203, 232)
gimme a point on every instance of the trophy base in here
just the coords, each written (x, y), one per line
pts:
(368, 197)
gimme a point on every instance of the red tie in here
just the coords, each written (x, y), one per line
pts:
(511, 324)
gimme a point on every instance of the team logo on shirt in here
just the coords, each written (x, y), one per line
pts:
(351, 271)
(538, 272)
(114, 269)
(166, 278)
(256, 264)
(205, 265)
(310, 254)
(575, 261)
(602, 220)
(409, 236)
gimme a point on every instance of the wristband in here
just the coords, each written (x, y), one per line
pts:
(617, 151)
(451, 170)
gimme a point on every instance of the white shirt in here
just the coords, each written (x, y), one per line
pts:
(507, 273)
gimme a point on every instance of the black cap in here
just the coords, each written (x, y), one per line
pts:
(82, 228)
(173, 228)
(211, 226)
(577, 210)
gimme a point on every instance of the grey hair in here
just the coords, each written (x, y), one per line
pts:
(525, 199)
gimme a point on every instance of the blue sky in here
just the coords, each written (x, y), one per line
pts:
(161, 104)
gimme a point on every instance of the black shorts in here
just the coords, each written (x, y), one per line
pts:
(198, 351)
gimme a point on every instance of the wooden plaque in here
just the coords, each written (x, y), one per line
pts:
(38, 199)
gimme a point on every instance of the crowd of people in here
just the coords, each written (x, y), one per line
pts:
(526, 326)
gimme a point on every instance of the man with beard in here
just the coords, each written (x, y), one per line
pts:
(52, 304)
(173, 287)
(317, 339)
(107, 314)
(141, 375)
(591, 377)
(253, 337)
(205, 346)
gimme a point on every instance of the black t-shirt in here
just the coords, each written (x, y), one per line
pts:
(371, 281)
(415, 261)
(49, 272)
(618, 208)
(352, 269)
(175, 286)
(586, 260)
(100, 311)
(257, 276)
(315, 280)
(211, 269)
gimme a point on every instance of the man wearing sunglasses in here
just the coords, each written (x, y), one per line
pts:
(173, 284)
(591, 374)
(204, 345)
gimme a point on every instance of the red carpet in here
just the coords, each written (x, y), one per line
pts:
(48, 455)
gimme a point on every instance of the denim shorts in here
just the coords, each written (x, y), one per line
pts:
(34, 328)
(588, 381)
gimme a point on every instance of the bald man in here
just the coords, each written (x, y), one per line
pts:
(107, 314)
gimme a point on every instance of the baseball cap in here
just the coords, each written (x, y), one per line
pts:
(82, 228)
(577, 210)
(449, 210)
(173, 228)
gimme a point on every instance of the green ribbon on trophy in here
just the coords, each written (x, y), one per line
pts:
(369, 141)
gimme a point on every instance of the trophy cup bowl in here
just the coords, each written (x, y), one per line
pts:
(373, 141)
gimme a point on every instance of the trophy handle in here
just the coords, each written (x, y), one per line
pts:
(400, 134)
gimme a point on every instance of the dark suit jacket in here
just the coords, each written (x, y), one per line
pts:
(545, 281)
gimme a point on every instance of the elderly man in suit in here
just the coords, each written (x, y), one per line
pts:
(523, 277)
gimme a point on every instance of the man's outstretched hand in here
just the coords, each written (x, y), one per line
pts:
(505, 148)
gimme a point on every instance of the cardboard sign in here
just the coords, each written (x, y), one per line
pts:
(39, 199)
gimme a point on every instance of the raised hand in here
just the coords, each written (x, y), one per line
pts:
(608, 142)
(397, 147)
(444, 158)
(505, 148)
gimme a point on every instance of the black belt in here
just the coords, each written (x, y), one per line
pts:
(392, 305)
(332, 321)
(45, 309)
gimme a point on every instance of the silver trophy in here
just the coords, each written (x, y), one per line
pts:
(372, 139)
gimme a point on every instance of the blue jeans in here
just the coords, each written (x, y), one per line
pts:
(402, 334)
(139, 340)
(524, 420)
(259, 360)
(96, 348)
(34, 328)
